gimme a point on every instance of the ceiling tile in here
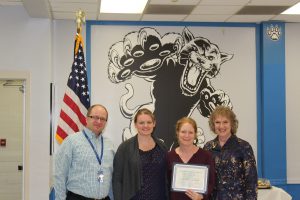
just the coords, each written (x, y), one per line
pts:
(74, 1)
(163, 10)
(169, 9)
(72, 7)
(207, 18)
(217, 10)
(262, 10)
(174, 2)
(121, 17)
(289, 18)
(38, 9)
(223, 2)
(273, 2)
(11, 3)
(149, 17)
(71, 15)
(249, 18)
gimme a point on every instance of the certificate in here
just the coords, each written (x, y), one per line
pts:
(193, 177)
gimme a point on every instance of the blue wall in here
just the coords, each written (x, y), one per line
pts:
(273, 109)
(273, 138)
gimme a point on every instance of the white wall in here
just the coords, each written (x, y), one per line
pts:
(292, 101)
(26, 46)
(45, 50)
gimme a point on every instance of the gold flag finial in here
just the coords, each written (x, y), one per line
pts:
(80, 19)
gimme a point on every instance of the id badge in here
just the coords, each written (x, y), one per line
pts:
(100, 176)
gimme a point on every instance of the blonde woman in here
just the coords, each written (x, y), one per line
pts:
(234, 159)
(140, 163)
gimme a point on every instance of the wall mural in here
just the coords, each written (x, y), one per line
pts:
(179, 67)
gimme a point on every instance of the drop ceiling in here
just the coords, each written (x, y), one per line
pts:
(166, 10)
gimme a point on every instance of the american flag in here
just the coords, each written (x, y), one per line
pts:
(76, 100)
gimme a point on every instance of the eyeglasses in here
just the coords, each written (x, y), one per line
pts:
(97, 118)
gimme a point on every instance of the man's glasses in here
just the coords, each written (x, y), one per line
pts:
(97, 118)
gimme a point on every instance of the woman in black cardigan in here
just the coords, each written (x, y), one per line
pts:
(140, 163)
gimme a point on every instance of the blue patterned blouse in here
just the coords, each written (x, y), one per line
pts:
(236, 173)
(153, 164)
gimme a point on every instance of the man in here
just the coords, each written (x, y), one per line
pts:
(84, 161)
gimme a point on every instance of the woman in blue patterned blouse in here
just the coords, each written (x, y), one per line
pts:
(236, 173)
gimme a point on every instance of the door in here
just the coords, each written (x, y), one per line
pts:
(12, 103)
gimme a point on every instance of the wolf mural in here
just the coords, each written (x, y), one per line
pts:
(179, 67)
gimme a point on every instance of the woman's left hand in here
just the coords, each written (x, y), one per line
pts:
(194, 195)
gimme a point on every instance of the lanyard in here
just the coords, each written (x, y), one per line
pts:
(97, 156)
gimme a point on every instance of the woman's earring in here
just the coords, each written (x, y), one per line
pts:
(195, 142)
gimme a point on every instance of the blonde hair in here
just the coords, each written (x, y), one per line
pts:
(223, 111)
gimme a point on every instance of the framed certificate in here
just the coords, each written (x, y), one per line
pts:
(193, 177)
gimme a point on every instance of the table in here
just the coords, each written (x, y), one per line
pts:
(274, 193)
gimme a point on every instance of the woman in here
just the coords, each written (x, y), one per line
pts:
(140, 163)
(234, 159)
(188, 153)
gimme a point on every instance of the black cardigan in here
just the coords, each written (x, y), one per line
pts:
(127, 173)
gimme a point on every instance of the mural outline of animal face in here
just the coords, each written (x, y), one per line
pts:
(202, 59)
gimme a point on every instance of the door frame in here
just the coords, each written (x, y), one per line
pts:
(24, 76)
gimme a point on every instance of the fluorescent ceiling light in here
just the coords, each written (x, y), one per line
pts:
(295, 10)
(122, 6)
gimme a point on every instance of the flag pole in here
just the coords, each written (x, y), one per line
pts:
(80, 19)
(76, 99)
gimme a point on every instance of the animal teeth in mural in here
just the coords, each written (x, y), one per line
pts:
(179, 68)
